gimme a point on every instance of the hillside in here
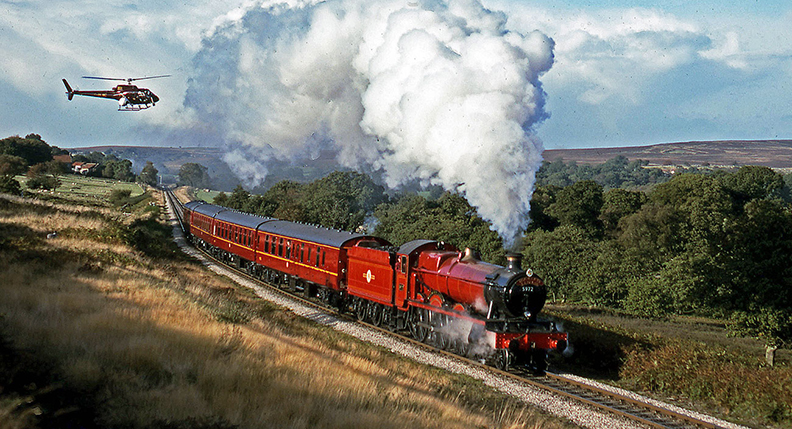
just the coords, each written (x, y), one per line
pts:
(727, 153)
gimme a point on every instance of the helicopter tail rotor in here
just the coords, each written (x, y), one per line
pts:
(69, 90)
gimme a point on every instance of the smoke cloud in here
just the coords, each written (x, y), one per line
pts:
(434, 91)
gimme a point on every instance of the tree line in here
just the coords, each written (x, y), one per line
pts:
(717, 245)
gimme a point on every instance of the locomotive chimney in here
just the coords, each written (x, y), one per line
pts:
(514, 261)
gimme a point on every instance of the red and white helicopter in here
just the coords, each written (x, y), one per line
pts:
(130, 97)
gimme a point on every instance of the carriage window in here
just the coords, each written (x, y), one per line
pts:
(309, 254)
(302, 252)
(280, 247)
(266, 243)
(318, 251)
(288, 250)
(323, 258)
(403, 264)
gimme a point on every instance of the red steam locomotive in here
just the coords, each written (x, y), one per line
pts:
(448, 298)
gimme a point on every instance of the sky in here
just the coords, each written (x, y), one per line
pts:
(624, 72)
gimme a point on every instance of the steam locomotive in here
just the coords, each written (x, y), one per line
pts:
(439, 294)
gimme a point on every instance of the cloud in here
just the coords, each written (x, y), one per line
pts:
(640, 75)
(433, 92)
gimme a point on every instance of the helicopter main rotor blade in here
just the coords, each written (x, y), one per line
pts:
(128, 80)
(104, 78)
(149, 77)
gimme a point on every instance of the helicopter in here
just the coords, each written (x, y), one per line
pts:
(130, 97)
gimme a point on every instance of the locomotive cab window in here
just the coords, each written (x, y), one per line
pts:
(403, 264)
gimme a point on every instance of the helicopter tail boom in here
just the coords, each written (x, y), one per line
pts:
(69, 90)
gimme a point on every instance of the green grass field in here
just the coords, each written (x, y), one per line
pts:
(84, 189)
(206, 195)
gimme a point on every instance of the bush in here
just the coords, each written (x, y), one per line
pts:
(119, 196)
(45, 182)
(9, 185)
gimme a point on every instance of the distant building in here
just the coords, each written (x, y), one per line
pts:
(83, 168)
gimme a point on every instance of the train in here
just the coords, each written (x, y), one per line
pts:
(437, 293)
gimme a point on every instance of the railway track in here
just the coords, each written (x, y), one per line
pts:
(626, 406)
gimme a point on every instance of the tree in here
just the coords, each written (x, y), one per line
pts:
(221, 199)
(700, 207)
(770, 325)
(558, 256)
(11, 165)
(758, 249)
(284, 201)
(38, 178)
(149, 174)
(753, 182)
(195, 175)
(341, 199)
(56, 168)
(579, 205)
(618, 203)
(31, 148)
(238, 198)
(543, 197)
(119, 170)
(9, 185)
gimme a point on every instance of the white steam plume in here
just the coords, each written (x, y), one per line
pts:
(436, 91)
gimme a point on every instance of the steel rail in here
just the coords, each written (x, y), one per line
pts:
(602, 399)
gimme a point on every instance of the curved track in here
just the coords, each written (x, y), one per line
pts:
(638, 411)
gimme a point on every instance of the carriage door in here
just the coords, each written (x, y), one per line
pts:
(402, 268)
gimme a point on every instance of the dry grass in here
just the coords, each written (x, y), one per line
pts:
(135, 342)
(726, 383)
(685, 360)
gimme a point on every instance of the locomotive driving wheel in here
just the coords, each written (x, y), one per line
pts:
(438, 337)
(361, 309)
(388, 320)
(418, 324)
(375, 314)
(503, 359)
(461, 346)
